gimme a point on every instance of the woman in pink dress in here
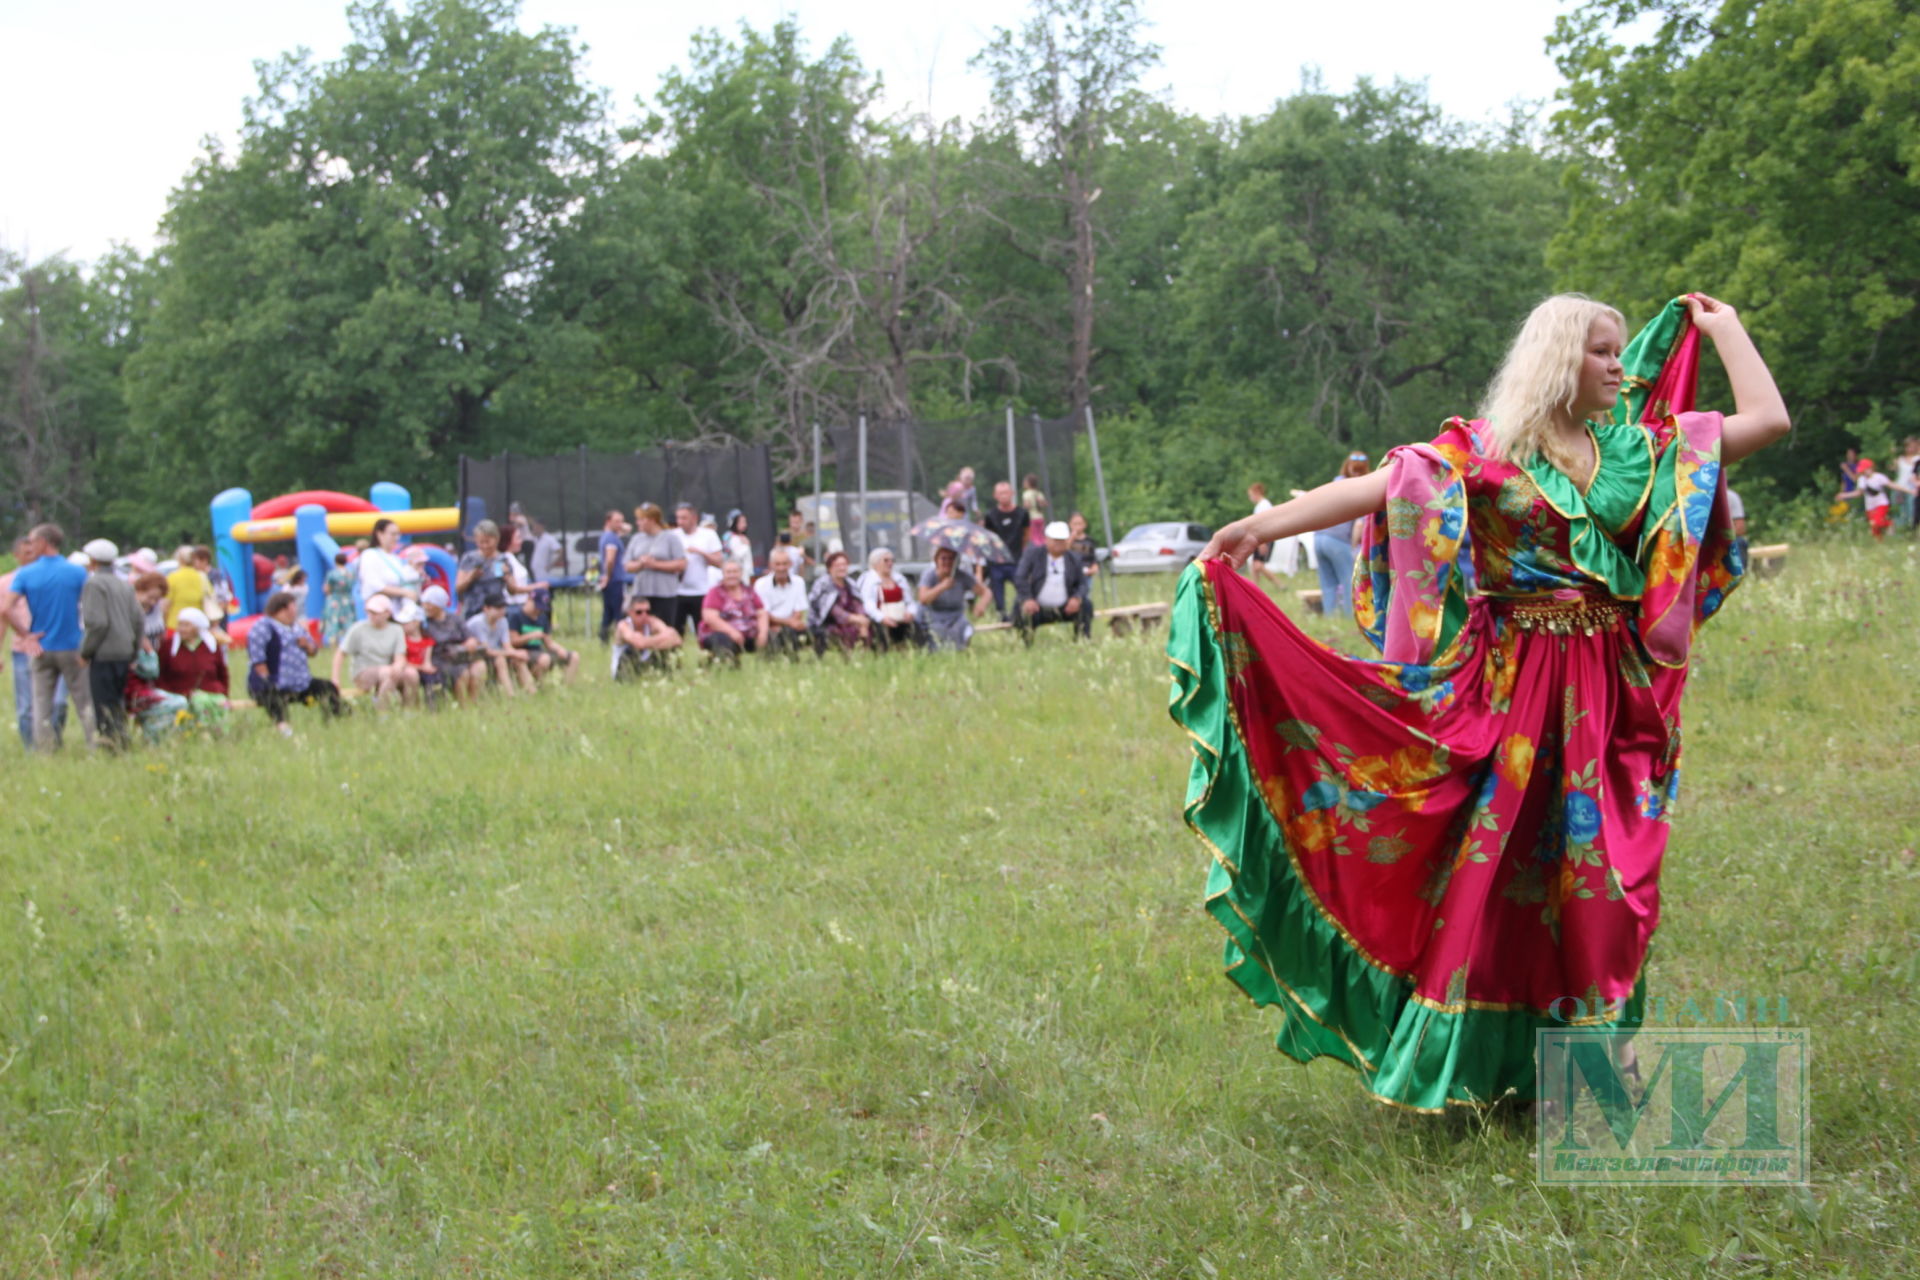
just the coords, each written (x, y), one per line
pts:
(1426, 858)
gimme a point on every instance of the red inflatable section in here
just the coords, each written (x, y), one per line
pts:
(287, 503)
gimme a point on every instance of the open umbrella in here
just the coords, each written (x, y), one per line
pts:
(964, 537)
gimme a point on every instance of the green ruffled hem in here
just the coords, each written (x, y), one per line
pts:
(1282, 948)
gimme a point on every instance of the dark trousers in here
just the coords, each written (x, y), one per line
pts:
(788, 641)
(724, 646)
(107, 682)
(325, 693)
(613, 598)
(667, 609)
(999, 578)
(1082, 621)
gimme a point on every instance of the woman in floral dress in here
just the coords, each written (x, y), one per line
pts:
(1425, 858)
(338, 615)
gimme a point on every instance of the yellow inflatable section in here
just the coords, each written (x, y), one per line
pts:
(355, 525)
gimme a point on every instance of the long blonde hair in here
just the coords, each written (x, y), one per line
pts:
(1540, 374)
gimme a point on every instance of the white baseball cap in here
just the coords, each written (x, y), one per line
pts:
(407, 612)
(100, 551)
(435, 595)
(379, 604)
(1058, 529)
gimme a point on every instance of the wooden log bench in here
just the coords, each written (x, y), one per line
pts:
(1768, 560)
(1310, 597)
(1121, 619)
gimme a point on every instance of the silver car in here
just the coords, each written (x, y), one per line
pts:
(1167, 546)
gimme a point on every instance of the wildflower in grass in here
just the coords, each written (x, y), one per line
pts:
(34, 931)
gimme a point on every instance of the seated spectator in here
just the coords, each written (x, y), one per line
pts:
(834, 611)
(378, 650)
(1050, 586)
(944, 590)
(642, 642)
(489, 627)
(884, 599)
(417, 646)
(784, 597)
(277, 671)
(192, 663)
(732, 619)
(456, 654)
(528, 628)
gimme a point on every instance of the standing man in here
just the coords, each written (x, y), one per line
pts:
(1051, 586)
(785, 598)
(703, 555)
(112, 631)
(16, 625)
(549, 562)
(51, 587)
(1009, 520)
(613, 574)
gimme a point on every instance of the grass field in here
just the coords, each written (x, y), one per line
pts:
(891, 968)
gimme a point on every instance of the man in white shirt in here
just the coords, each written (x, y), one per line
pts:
(704, 557)
(785, 597)
(1050, 585)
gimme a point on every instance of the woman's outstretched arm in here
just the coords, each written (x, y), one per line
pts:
(1335, 502)
(1759, 416)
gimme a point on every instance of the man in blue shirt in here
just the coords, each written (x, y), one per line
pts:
(51, 587)
(613, 573)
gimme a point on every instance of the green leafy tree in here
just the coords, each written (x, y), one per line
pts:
(1063, 83)
(343, 298)
(1764, 152)
(64, 336)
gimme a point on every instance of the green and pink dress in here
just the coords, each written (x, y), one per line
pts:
(1423, 859)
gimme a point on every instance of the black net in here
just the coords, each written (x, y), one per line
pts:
(571, 493)
(909, 466)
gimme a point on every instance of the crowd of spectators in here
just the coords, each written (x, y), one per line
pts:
(131, 642)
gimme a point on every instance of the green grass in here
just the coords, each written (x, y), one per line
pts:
(890, 968)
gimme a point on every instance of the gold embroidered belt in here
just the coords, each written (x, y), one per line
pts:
(1563, 612)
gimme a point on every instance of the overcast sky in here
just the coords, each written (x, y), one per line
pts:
(108, 101)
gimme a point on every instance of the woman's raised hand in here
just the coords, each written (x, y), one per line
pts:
(1712, 316)
(1234, 543)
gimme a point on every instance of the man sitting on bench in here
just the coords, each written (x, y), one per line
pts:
(1050, 585)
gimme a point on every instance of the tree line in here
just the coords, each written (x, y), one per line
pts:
(445, 241)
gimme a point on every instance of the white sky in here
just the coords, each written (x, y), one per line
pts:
(107, 101)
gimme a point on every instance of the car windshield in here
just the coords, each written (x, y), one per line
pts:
(1165, 532)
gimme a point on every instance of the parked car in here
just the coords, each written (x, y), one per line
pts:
(1165, 546)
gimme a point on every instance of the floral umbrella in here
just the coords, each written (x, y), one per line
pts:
(963, 537)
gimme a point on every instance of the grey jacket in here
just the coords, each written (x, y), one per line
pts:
(110, 620)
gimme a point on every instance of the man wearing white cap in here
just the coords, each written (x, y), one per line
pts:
(112, 633)
(379, 652)
(1050, 585)
(51, 588)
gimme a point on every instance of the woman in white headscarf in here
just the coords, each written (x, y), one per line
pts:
(192, 666)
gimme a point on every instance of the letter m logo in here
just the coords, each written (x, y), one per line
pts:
(1712, 1105)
